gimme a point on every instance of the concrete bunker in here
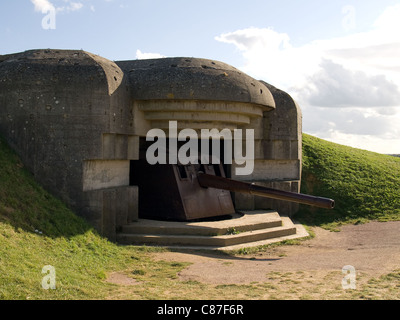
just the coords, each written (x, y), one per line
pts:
(78, 122)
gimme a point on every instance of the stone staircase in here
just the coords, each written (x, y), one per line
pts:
(244, 229)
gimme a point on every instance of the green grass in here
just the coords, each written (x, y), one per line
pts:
(37, 229)
(27, 206)
(365, 185)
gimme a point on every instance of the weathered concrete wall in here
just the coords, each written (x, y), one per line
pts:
(187, 79)
(75, 119)
(103, 174)
(55, 107)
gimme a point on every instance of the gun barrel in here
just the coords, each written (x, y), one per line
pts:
(207, 180)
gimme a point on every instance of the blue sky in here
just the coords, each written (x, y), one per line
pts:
(338, 59)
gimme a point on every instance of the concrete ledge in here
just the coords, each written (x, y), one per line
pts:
(251, 221)
(218, 241)
(300, 233)
(253, 228)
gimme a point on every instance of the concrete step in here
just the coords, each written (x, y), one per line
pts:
(239, 222)
(245, 229)
(204, 240)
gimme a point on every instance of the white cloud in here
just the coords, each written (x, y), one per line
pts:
(348, 87)
(255, 39)
(389, 20)
(45, 6)
(143, 55)
(362, 128)
(42, 5)
(74, 6)
(70, 6)
(366, 142)
(336, 86)
(268, 54)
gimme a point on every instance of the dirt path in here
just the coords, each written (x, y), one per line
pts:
(372, 248)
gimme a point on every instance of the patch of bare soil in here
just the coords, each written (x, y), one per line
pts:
(121, 279)
(372, 248)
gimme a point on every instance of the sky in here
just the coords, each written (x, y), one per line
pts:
(340, 60)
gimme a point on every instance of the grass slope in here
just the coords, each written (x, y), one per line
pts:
(37, 230)
(365, 185)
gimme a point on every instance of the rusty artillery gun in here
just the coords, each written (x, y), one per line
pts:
(196, 191)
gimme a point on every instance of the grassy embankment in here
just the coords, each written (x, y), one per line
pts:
(37, 230)
(365, 185)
